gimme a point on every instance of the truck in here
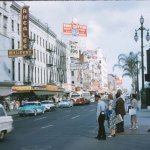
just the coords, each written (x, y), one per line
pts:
(6, 123)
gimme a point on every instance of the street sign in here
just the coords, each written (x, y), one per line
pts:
(79, 66)
(19, 53)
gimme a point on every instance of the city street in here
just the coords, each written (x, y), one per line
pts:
(72, 129)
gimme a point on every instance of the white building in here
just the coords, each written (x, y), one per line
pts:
(48, 63)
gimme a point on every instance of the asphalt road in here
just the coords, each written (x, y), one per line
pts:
(67, 129)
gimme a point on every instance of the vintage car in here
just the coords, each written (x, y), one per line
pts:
(49, 105)
(6, 123)
(65, 103)
(31, 108)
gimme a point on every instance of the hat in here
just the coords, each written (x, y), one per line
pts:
(97, 95)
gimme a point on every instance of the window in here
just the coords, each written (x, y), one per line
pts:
(31, 35)
(38, 75)
(41, 76)
(24, 72)
(43, 42)
(37, 39)
(12, 44)
(5, 20)
(19, 71)
(18, 28)
(41, 56)
(13, 70)
(40, 41)
(12, 25)
(37, 55)
(35, 74)
(18, 44)
(72, 73)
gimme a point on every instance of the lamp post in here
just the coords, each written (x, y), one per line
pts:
(142, 29)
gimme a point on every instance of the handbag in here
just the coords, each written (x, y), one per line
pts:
(118, 119)
(132, 111)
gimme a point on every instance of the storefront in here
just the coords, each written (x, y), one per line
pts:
(36, 92)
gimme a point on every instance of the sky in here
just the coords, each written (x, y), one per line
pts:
(111, 24)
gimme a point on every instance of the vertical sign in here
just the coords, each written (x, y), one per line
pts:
(25, 27)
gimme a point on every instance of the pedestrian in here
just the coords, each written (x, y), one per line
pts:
(100, 117)
(134, 105)
(120, 109)
(111, 116)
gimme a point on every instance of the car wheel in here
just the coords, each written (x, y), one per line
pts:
(43, 111)
(35, 112)
(21, 115)
(2, 135)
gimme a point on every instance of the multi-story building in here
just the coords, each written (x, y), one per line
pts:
(48, 63)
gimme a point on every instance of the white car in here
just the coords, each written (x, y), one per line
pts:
(49, 105)
(6, 123)
(65, 103)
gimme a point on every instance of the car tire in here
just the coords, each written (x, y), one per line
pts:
(21, 115)
(2, 135)
(43, 111)
(35, 113)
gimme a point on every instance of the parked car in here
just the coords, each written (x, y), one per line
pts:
(49, 105)
(65, 103)
(6, 123)
(31, 108)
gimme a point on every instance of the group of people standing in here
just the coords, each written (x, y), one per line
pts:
(115, 106)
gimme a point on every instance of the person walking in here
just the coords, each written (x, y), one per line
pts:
(134, 105)
(100, 117)
(111, 116)
(120, 109)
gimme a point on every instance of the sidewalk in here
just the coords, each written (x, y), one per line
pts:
(143, 116)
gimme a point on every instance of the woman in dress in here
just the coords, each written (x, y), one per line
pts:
(111, 116)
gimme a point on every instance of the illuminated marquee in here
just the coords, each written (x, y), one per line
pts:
(25, 27)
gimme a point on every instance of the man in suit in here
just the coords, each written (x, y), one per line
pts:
(120, 109)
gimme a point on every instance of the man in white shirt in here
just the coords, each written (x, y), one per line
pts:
(100, 117)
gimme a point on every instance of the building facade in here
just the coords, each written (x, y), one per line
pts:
(48, 63)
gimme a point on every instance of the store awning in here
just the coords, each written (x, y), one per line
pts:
(5, 92)
(47, 92)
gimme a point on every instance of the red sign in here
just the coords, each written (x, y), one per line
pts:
(75, 29)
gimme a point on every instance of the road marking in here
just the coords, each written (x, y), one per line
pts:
(39, 118)
(75, 117)
(47, 126)
(92, 110)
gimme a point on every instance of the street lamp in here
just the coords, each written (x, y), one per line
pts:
(142, 28)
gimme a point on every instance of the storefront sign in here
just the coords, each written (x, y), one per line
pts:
(75, 29)
(25, 27)
(51, 87)
(19, 53)
(21, 88)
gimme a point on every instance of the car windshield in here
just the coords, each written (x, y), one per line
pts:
(85, 94)
(28, 104)
(75, 95)
(47, 102)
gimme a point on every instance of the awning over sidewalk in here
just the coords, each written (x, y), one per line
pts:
(48, 92)
(5, 92)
